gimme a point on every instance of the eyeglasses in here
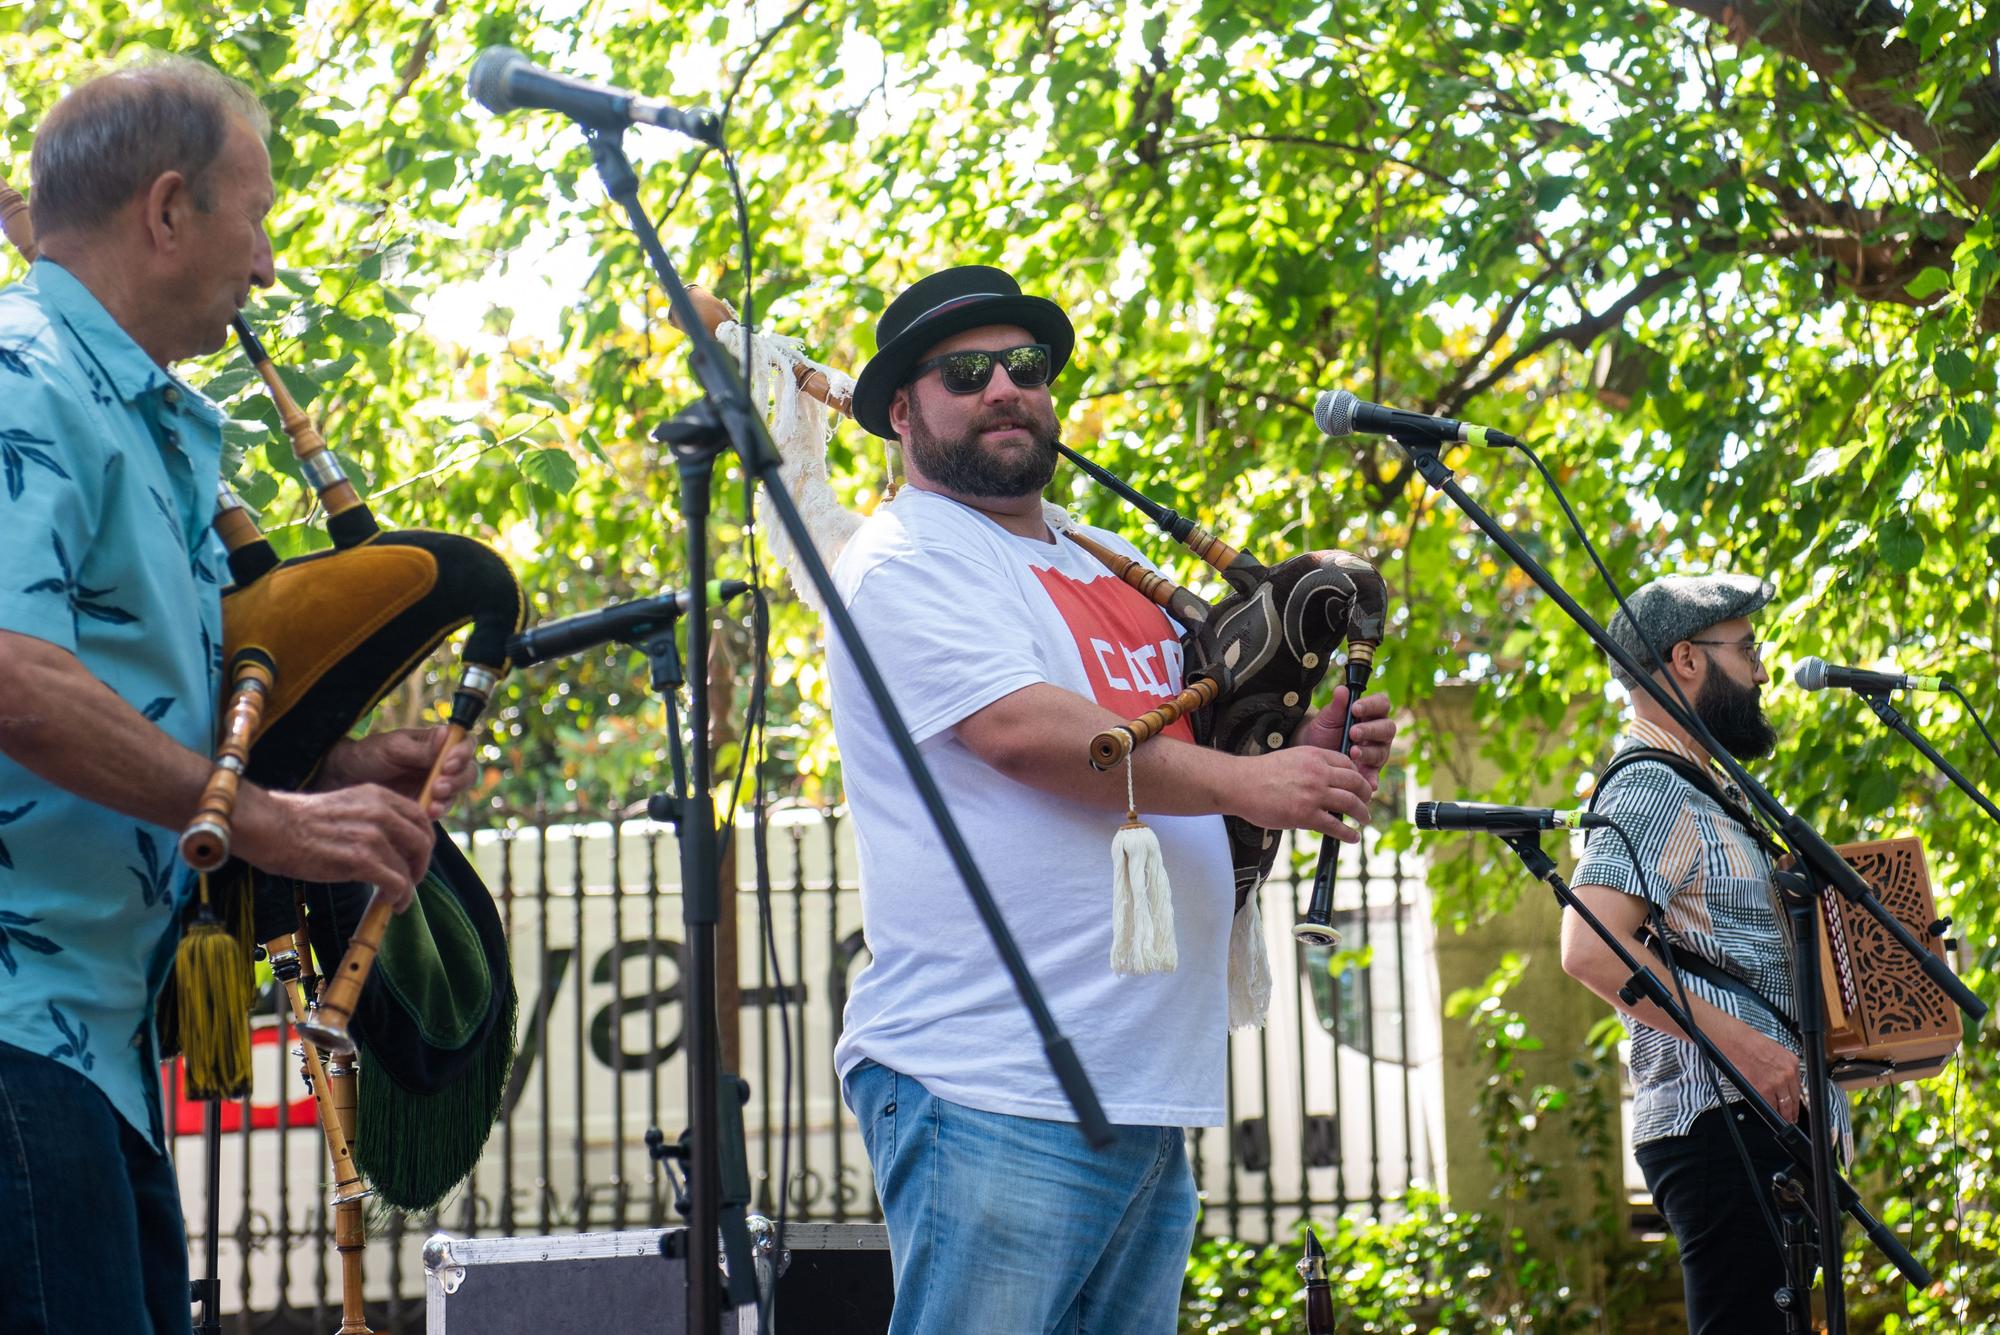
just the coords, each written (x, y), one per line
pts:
(1752, 649)
(969, 371)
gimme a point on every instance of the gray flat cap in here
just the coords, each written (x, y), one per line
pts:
(1680, 607)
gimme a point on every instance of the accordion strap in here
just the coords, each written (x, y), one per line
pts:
(1687, 960)
(1701, 776)
(1655, 935)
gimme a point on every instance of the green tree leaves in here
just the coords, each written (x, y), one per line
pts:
(1729, 268)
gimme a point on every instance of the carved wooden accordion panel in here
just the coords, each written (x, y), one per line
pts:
(1885, 1020)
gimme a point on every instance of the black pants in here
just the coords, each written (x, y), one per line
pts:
(1730, 1265)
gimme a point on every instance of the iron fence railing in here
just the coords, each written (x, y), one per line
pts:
(1332, 1106)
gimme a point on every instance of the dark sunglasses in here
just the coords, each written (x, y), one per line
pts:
(969, 371)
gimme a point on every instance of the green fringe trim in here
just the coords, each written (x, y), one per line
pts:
(415, 1149)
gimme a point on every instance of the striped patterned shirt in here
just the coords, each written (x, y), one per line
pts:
(1713, 881)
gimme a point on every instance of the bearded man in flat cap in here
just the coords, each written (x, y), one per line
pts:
(1703, 887)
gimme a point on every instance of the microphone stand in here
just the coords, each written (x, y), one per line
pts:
(649, 624)
(1810, 845)
(727, 417)
(1889, 714)
(1816, 856)
(1795, 1298)
(208, 1289)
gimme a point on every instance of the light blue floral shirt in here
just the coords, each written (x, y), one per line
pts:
(108, 470)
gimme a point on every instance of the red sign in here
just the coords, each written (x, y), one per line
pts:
(190, 1116)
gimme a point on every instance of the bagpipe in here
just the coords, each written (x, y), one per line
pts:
(336, 630)
(1251, 659)
(311, 644)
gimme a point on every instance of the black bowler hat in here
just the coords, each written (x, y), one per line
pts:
(932, 310)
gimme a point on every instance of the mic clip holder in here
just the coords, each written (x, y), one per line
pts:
(738, 1266)
(1801, 1253)
(672, 1159)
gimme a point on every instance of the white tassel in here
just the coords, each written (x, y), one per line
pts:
(1142, 903)
(1249, 967)
(800, 426)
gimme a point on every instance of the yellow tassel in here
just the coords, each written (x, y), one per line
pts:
(214, 992)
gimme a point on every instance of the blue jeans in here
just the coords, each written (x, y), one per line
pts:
(91, 1236)
(1004, 1225)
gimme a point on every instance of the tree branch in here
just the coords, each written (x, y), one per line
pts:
(735, 86)
(1847, 44)
(1873, 253)
(1501, 324)
(1579, 334)
(1152, 108)
(420, 54)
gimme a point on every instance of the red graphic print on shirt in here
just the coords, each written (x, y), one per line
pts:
(1129, 650)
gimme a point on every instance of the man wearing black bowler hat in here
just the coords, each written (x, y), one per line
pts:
(1007, 647)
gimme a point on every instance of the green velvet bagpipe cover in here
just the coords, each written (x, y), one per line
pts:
(435, 1026)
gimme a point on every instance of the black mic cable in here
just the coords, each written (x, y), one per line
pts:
(1978, 722)
(1658, 659)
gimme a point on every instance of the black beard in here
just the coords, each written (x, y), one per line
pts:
(1734, 716)
(959, 465)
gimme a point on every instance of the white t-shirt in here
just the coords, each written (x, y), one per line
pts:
(958, 613)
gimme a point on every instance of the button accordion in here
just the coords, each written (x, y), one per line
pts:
(1885, 1020)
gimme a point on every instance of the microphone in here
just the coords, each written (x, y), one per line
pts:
(504, 80)
(1816, 674)
(1504, 820)
(1339, 413)
(621, 621)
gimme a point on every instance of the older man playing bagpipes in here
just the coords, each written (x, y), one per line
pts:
(1010, 645)
(151, 186)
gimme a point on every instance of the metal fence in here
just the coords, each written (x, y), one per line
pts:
(1333, 1106)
